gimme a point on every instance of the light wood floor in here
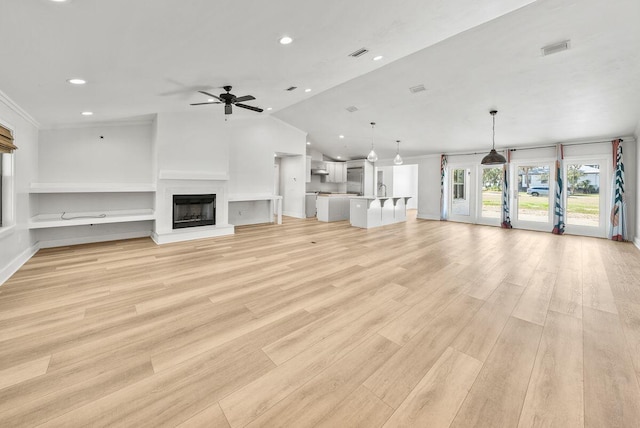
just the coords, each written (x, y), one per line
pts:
(423, 324)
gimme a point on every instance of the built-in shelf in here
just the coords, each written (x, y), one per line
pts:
(43, 221)
(91, 188)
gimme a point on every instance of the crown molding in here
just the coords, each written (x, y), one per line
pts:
(18, 110)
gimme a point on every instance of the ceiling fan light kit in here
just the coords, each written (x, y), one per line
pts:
(493, 158)
(229, 100)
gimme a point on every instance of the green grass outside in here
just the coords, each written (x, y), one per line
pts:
(578, 204)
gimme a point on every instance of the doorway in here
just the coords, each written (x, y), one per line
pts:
(533, 195)
(461, 196)
(586, 196)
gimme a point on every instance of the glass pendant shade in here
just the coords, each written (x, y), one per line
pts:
(398, 159)
(372, 156)
(493, 158)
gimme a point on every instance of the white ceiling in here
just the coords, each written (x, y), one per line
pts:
(146, 56)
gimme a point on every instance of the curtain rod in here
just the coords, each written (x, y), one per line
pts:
(534, 147)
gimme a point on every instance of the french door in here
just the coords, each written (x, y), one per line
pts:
(461, 195)
(532, 195)
(475, 194)
(587, 188)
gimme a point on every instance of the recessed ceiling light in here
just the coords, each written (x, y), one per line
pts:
(77, 81)
(338, 157)
(308, 143)
(269, 108)
(377, 58)
(307, 90)
(87, 113)
(340, 136)
(286, 40)
(210, 100)
(59, 1)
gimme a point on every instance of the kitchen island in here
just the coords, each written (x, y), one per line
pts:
(369, 211)
(333, 206)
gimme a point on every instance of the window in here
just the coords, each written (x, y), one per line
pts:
(6, 174)
(458, 184)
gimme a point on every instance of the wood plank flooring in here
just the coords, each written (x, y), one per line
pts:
(421, 324)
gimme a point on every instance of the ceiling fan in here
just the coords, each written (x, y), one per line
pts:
(229, 99)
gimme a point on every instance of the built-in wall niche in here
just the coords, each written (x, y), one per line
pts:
(194, 210)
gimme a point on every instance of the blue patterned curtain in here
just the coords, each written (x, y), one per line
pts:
(618, 230)
(506, 219)
(443, 206)
(558, 200)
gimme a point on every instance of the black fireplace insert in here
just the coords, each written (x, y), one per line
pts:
(194, 210)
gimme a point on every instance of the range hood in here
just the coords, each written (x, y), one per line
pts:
(319, 171)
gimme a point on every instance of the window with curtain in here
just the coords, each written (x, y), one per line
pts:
(6, 148)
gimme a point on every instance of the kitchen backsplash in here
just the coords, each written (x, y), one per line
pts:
(318, 186)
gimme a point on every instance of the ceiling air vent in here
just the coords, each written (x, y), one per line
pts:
(359, 52)
(291, 88)
(556, 47)
(351, 109)
(416, 89)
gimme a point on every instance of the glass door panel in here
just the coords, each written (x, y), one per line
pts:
(586, 196)
(491, 193)
(583, 197)
(534, 196)
(460, 192)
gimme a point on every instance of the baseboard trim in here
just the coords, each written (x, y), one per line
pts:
(179, 236)
(91, 239)
(294, 214)
(427, 216)
(17, 263)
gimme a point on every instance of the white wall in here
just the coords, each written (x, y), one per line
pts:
(292, 183)
(192, 141)
(101, 154)
(252, 144)
(17, 243)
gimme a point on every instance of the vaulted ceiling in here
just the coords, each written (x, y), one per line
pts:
(146, 56)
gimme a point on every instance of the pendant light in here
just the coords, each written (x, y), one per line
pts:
(398, 159)
(372, 156)
(493, 158)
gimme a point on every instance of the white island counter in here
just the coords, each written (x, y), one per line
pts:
(368, 211)
(333, 207)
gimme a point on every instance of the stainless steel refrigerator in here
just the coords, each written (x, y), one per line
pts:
(355, 181)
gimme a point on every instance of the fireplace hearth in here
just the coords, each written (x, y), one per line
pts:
(194, 210)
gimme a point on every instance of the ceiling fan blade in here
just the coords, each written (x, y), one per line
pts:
(245, 98)
(201, 104)
(259, 110)
(227, 109)
(210, 95)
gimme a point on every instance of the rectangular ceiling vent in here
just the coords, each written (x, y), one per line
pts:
(359, 52)
(416, 89)
(556, 47)
(351, 109)
(291, 88)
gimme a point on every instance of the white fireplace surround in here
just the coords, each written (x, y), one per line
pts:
(189, 183)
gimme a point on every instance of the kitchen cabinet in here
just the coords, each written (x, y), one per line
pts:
(337, 172)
